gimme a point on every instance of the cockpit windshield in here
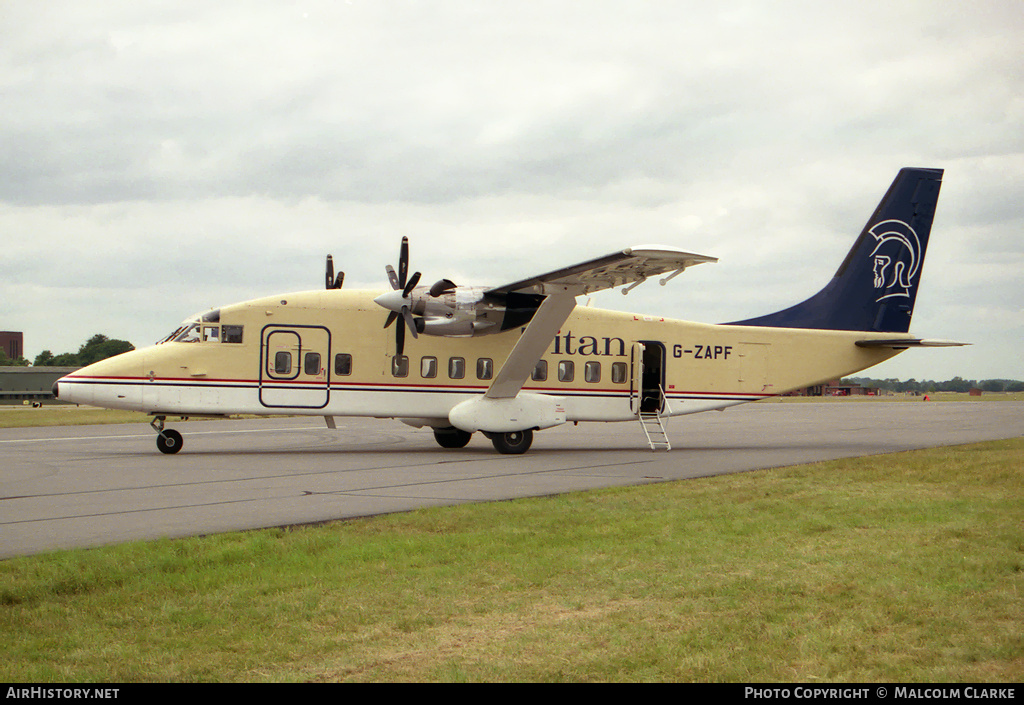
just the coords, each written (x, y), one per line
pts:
(204, 328)
(187, 332)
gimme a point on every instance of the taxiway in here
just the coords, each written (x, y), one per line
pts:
(77, 486)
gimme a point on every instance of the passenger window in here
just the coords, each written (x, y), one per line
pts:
(618, 373)
(428, 367)
(400, 366)
(232, 334)
(566, 371)
(484, 368)
(343, 364)
(592, 372)
(311, 364)
(456, 367)
(540, 372)
(283, 363)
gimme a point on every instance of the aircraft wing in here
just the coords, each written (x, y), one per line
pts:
(632, 265)
(561, 287)
(542, 329)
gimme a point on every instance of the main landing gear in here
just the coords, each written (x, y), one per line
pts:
(167, 441)
(512, 443)
(452, 437)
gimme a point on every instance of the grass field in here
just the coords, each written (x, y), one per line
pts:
(906, 567)
(65, 415)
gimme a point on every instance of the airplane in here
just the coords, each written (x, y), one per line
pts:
(522, 357)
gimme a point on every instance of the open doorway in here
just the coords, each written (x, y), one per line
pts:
(648, 378)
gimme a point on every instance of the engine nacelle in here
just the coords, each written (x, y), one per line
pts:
(463, 311)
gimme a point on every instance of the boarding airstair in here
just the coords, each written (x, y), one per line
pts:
(653, 425)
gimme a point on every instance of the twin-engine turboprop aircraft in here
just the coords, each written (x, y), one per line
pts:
(513, 359)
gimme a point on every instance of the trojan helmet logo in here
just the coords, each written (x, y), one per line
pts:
(896, 258)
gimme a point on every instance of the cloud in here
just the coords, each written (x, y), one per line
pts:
(171, 155)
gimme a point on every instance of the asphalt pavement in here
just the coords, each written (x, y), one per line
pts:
(77, 486)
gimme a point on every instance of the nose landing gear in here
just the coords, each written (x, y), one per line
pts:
(168, 441)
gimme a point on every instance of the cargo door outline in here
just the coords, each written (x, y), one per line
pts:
(294, 386)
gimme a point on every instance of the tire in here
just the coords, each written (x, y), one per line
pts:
(452, 437)
(512, 443)
(169, 441)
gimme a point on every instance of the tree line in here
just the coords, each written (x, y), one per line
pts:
(98, 347)
(957, 384)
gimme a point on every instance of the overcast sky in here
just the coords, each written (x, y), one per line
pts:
(157, 159)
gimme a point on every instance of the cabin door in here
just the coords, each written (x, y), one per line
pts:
(295, 367)
(647, 379)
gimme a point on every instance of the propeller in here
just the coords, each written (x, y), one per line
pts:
(333, 283)
(399, 301)
(400, 281)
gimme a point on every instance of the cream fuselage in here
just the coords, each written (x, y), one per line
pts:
(703, 366)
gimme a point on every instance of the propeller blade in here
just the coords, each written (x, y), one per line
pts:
(340, 280)
(400, 340)
(441, 287)
(330, 272)
(413, 281)
(403, 263)
(409, 321)
(391, 318)
(392, 277)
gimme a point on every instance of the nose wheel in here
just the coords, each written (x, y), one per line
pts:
(168, 440)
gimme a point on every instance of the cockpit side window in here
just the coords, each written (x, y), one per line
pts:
(231, 334)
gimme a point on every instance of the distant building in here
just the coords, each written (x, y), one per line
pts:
(23, 384)
(12, 343)
(836, 388)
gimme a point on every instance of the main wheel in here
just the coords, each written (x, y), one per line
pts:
(512, 443)
(169, 441)
(452, 437)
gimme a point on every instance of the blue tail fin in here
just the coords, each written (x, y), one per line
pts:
(875, 287)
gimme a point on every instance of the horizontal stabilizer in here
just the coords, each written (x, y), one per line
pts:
(904, 343)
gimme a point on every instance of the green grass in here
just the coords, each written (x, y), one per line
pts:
(68, 415)
(905, 567)
(65, 415)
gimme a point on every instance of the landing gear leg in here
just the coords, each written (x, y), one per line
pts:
(167, 441)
